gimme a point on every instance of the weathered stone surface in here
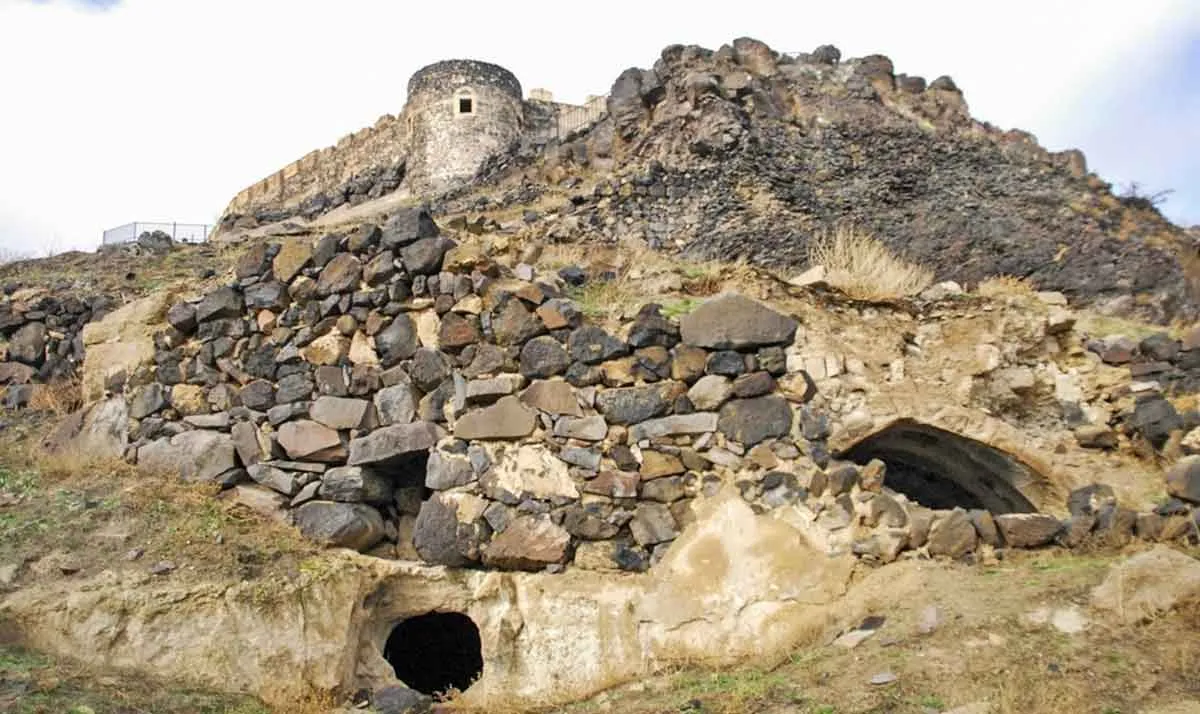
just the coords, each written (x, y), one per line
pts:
(409, 225)
(651, 327)
(400, 700)
(397, 341)
(294, 388)
(632, 405)
(553, 397)
(675, 425)
(389, 444)
(457, 331)
(1148, 585)
(444, 471)
(656, 464)
(340, 275)
(261, 500)
(652, 524)
(328, 349)
(219, 304)
(1096, 436)
(543, 357)
(749, 421)
(428, 369)
(252, 446)
(266, 296)
(182, 316)
(380, 268)
(346, 525)
(514, 324)
(440, 537)
(592, 428)
(276, 479)
(614, 484)
(356, 484)
(28, 344)
(301, 439)
(203, 456)
(147, 400)
(735, 322)
(293, 256)
(529, 471)
(396, 404)
(508, 418)
(1091, 499)
(528, 543)
(592, 345)
(424, 257)
(952, 535)
(1183, 479)
(710, 392)
(339, 412)
(487, 390)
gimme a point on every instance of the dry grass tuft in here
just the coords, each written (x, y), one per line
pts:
(1000, 286)
(864, 268)
(60, 397)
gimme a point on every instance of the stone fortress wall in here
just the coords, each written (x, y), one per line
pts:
(428, 147)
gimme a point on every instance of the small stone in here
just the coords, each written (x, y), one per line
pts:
(1027, 530)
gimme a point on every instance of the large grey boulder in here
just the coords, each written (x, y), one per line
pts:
(203, 456)
(409, 225)
(749, 421)
(347, 525)
(356, 484)
(734, 322)
(392, 444)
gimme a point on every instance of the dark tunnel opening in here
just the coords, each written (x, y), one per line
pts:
(436, 652)
(940, 469)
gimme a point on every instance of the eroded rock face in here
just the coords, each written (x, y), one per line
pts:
(528, 543)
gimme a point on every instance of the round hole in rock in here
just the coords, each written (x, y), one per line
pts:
(941, 469)
(436, 652)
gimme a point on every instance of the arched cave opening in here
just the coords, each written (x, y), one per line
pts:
(941, 469)
(436, 652)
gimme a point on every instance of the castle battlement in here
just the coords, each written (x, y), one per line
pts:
(458, 114)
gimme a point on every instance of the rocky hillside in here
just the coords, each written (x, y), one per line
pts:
(745, 153)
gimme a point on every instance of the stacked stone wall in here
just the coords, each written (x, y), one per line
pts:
(396, 393)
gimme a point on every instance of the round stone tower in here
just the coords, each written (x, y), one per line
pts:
(459, 113)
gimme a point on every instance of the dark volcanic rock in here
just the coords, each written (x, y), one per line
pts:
(733, 322)
(749, 421)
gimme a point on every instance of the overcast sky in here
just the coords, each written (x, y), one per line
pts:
(119, 110)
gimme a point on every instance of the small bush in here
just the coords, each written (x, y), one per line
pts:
(864, 268)
(1133, 196)
(1006, 286)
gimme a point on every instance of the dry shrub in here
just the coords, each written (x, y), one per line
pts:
(864, 268)
(999, 286)
(61, 396)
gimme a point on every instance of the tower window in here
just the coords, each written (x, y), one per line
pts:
(464, 101)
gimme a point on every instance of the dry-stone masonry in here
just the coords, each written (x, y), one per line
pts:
(393, 392)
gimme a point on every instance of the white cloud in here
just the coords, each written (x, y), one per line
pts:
(163, 109)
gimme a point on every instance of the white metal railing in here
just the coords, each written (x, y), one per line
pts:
(179, 232)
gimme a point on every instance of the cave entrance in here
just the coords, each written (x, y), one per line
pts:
(941, 469)
(436, 652)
